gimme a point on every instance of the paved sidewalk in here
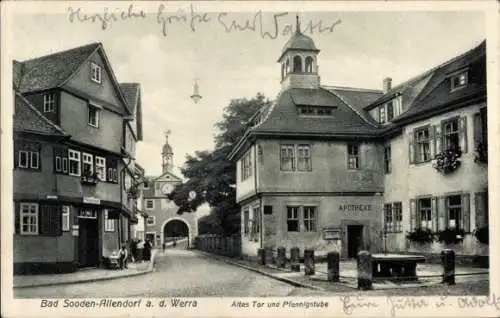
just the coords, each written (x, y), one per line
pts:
(430, 275)
(85, 275)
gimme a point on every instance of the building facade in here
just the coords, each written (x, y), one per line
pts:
(339, 169)
(163, 222)
(70, 153)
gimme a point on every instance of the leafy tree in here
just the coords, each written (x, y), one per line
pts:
(211, 175)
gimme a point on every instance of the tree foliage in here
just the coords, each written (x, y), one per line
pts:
(211, 175)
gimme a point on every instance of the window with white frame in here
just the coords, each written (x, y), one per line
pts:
(88, 163)
(292, 219)
(109, 224)
(29, 218)
(23, 161)
(352, 156)
(100, 167)
(459, 80)
(65, 217)
(246, 166)
(49, 102)
(95, 73)
(310, 216)
(388, 219)
(151, 220)
(34, 159)
(451, 135)
(393, 217)
(454, 205)
(64, 165)
(28, 159)
(388, 111)
(397, 209)
(287, 157)
(423, 147)
(93, 115)
(74, 162)
(150, 204)
(424, 213)
(303, 158)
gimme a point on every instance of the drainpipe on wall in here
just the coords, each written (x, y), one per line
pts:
(261, 228)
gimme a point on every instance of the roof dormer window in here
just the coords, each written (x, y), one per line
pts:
(315, 110)
(388, 111)
(95, 73)
(459, 80)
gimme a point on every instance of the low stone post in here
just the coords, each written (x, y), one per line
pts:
(309, 262)
(365, 274)
(269, 255)
(280, 260)
(333, 262)
(448, 262)
(261, 256)
(294, 259)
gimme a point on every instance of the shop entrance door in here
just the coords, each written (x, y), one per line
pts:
(354, 240)
(88, 243)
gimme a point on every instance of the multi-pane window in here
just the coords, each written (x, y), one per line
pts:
(424, 213)
(109, 224)
(28, 159)
(353, 156)
(87, 163)
(150, 204)
(49, 102)
(390, 111)
(95, 73)
(306, 110)
(459, 81)
(303, 158)
(151, 220)
(310, 216)
(34, 156)
(292, 218)
(451, 136)
(397, 209)
(387, 159)
(100, 167)
(65, 218)
(423, 150)
(74, 162)
(23, 161)
(93, 115)
(381, 115)
(246, 166)
(454, 204)
(388, 219)
(315, 110)
(287, 157)
(29, 218)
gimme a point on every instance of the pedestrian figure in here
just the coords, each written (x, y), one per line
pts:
(175, 243)
(140, 250)
(123, 253)
(147, 251)
(164, 245)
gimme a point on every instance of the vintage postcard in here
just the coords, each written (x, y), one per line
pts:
(240, 159)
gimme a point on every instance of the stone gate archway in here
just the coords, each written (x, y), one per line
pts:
(177, 227)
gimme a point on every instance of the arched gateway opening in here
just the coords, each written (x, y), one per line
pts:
(175, 229)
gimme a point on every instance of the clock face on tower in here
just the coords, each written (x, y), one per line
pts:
(167, 188)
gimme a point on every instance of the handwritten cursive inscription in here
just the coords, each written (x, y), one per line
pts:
(349, 304)
(190, 17)
(402, 303)
(479, 302)
(106, 18)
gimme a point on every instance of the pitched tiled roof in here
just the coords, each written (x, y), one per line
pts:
(357, 98)
(437, 90)
(16, 73)
(52, 70)
(28, 119)
(130, 92)
(284, 118)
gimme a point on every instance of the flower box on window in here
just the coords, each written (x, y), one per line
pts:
(89, 177)
(421, 235)
(447, 160)
(450, 236)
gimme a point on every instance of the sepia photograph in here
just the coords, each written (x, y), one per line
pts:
(169, 152)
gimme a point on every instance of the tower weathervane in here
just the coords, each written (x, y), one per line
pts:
(167, 133)
(297, 30)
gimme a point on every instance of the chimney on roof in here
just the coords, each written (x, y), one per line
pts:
(387, 84)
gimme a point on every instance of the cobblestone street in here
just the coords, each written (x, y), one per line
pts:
(179, 273)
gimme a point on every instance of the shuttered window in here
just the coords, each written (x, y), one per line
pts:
(112, 172)
(481, 208)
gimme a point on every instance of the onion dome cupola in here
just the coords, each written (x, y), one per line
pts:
(299, 63)
(167, 155)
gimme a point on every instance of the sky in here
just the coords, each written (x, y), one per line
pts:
(358, 49)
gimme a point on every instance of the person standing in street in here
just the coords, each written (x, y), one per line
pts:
(140, 250)
(123, 253)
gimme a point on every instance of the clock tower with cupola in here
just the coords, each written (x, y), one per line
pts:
(167, 155)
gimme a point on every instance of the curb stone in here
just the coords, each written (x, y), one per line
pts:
(282, 279)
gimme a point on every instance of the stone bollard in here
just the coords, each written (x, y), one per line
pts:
(448, 262)
(269, 255)
(280, 260)
(309, 262)
(365, 274)
(261, 256)
(294, 259)
(333, 262)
